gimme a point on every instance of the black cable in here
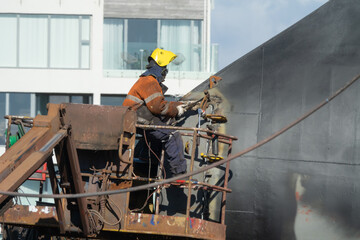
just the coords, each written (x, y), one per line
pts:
(161, 164)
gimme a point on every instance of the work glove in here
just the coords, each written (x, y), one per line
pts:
(181, 109)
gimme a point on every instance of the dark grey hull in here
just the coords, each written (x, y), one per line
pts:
(304, 184)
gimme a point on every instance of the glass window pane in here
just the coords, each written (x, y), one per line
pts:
(196, 45)
(2, 120)
(182, 37)
(88, 99)
(113, 44)
(85, 28)
(64, 42)
(112, 100)
(85, 42)
(42, 99)
(77, 99)
(142, 40)
(8, 41)
(33, 40)
(57, 99)
(19, 104)
(85, 56)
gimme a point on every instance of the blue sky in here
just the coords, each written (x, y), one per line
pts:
(239, 26)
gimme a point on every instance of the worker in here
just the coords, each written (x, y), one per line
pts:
(147, 97)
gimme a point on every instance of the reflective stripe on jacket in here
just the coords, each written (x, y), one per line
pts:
(148, 91)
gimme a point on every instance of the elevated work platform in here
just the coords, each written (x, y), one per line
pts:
(94, 150)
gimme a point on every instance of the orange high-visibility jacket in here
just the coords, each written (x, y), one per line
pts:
(147, 91)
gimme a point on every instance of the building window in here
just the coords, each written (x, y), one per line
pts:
(45, 41)
(33, 41)
(142, 39)
(31, 104)
(129, 42)
(18, 104)
(183, 37)
(8, 41)
(42, 99)
(112, 100)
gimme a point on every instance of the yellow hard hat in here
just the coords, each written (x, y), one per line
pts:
(162, 57)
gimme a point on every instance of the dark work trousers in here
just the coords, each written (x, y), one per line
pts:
(173, 146)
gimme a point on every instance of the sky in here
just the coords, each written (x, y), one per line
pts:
(239, 26)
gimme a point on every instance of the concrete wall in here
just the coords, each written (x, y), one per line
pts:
(157, 9)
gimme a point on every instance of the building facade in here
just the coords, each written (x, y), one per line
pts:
(83, 51)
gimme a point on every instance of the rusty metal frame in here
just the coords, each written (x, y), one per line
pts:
(225, 139)
(8, 131)
(193, 150)
(31, 151)
(58, 202)
(137, 223)
(78, 186)
(226, 180)
(52, 132)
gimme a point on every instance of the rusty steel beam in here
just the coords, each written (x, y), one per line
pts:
(21, 150)
(193, 150)
(45, 127)
(58, 202)
(226, 181)
(78, 184)
(8, 134)
(29, 165)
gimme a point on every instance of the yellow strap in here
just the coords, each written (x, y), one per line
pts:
(211, 158)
